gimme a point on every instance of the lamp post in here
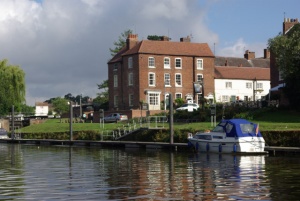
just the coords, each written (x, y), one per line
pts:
(80, 104)
(71, 120)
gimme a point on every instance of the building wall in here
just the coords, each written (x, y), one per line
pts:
(41, 110)
(239, 89)
(140, 71)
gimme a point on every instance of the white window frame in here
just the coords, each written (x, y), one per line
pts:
(115, 67)
(199, 64)
(228, 85)
(178, 95)
(116, 101)
(259, 85)
(248, 85)
(167, 62)
(167, 79)
(130, 64)
(115, 80)
(151, 79)
(153, 99)
(130, 98)
(199, 77)
(151, 62)
(177, 84)
(180, 62)
(130, 79)
(225, 98)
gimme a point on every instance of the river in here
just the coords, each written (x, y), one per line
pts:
(34, 172)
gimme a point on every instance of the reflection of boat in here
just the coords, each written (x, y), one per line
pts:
(230, 136)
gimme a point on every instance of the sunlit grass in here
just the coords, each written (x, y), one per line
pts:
(269, 121)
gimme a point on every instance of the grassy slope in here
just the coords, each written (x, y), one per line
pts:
(279, 120)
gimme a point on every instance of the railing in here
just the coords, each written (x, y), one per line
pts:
(143, 123)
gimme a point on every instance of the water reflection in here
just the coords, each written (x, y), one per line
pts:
(81, 173)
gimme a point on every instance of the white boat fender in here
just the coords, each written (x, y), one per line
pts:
(190, 135)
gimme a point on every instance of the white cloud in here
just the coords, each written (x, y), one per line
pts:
(238, 48)
(63, 45)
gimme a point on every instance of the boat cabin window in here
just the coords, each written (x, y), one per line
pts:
(229, 128)
(218, 129)
(217, 137)
(247, 128)
(203, 137)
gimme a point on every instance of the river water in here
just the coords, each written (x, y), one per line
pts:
(32, 172)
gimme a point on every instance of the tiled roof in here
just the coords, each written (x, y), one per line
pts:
(118, 57)
(243, 73)
(171, 48)
(41, 104)
(242, 62)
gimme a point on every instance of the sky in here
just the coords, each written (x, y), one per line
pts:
(63, 45)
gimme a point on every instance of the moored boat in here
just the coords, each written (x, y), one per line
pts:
(230, 136)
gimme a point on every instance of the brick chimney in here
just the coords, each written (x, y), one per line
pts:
(249, 55)
(131, 41)
(266, 54)
(289, 23)
(187, 39)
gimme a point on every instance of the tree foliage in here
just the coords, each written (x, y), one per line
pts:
(156, 37)
(60, 105)
(286, 49)
(102, 98)
(120, 43)
(75, 99)
(12, 87)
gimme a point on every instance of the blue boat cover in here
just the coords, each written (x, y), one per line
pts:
(240, 128)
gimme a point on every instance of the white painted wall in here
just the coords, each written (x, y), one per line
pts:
(41, 110)
(239, 89)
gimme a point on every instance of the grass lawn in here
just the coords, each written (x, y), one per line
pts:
(269, 121)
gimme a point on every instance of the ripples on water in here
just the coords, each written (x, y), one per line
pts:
(30, 172)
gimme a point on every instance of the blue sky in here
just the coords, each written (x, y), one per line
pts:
(63, 45)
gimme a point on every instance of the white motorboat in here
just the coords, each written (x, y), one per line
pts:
(230, 136)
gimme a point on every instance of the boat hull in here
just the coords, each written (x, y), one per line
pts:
(240, 145)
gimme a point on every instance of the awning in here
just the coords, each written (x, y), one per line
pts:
(277, 87)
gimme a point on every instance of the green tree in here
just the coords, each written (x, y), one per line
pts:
(286, 49)
(101, 101)
(60, 105)
(12, 87)
(27, 110)
(120, 43)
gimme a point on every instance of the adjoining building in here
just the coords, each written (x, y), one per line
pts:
(242, 79)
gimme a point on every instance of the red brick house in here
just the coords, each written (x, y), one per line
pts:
(276, 80)
(147, 71)
(275, 75)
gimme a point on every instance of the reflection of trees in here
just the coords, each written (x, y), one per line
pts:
(283, 174)
(11, 170)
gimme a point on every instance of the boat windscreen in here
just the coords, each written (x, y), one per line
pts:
(218, 129)
(247, 128)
